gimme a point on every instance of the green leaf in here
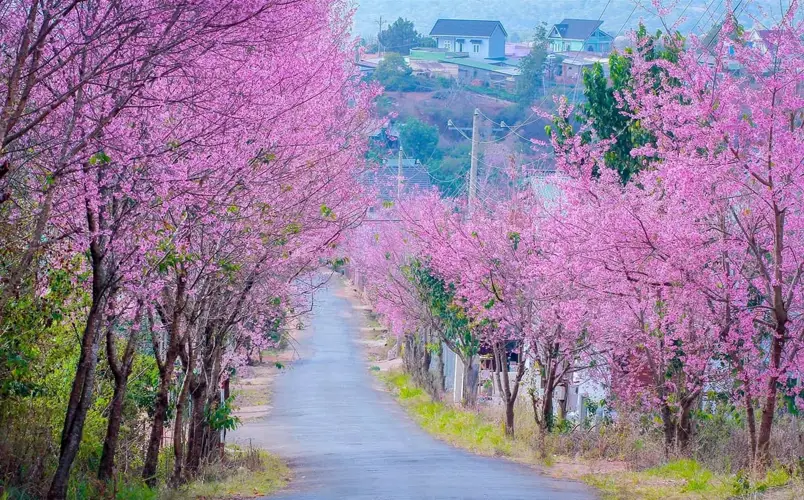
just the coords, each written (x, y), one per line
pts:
(99, 157)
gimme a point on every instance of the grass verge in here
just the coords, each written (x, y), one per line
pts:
(462, 428)
(247, 474)
(678, 479)
(686, 479)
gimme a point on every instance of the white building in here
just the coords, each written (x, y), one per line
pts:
(478, 39)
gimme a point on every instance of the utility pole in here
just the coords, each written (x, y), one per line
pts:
(399, 174)
(379, 43)
(475, 153)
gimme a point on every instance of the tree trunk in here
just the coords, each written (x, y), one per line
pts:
(440, 383)
(781, 317)
(83, 383)
(181, 405)
(544, 406)
(78, 405)
(547, 409)
(684, 435)
(544, 423)
(195, 439)
(469, 382)
(769, 408)
(507, 392)
(178, 429)
(157, 430)
(121, 372)
(106, 469)
(509, 419)
(752, 425)
(166, 368)
(669, 426)
(562, 406)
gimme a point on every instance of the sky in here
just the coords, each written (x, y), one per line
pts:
(520, 17)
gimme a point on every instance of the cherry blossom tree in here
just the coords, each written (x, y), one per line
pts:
(203, 155)
(701, 248)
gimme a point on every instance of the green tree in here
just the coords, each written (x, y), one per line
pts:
(449, 171)
(400, 37)
(419, 140)
(452, 322)
(393, 73)
(428, 42)
(610, 118)
(530, 80)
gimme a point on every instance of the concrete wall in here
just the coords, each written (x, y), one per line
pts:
(497, 44)
(562, 45)
(488, 47)
(598, 42)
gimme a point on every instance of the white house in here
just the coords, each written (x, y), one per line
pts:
(579, 35)
(477, 39)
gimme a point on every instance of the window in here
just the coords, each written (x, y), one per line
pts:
(448, 45)
(476, 48)
(460, 47)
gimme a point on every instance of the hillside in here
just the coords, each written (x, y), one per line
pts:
(521, 16)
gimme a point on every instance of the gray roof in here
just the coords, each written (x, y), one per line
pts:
(414, 176)
(577, 29)
(406, 163)
(465, 27)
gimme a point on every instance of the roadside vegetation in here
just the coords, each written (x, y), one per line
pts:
(615, 460)
(243, 473)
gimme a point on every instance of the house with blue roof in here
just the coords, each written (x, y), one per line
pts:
(579, 35)
(477, 39)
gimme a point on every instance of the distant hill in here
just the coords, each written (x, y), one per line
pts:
(521, 16)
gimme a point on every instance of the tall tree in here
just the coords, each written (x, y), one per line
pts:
(394, 73)
(399, 37)
(532, 67)
(607, 107)
(418, 139)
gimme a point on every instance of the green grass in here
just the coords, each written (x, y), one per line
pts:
(462, 428)
(242, 483)
(683, 479)
(678, 479)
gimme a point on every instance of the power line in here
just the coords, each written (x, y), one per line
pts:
(636, 5)
(709, 6)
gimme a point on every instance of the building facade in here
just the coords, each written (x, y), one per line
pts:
(478, 39)
(580, 35)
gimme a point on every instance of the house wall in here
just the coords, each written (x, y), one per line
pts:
(467, 75)
(497, 44)
(565, 45)
(571, 74)
(449, 368)
(467, 47)
(598, 42)
(431, 69)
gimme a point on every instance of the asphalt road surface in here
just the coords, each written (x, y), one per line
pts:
(344, 439)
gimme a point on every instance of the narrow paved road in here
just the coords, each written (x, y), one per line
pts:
(345, 439)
